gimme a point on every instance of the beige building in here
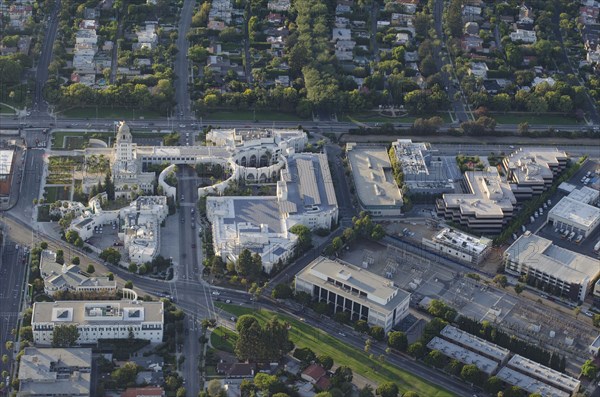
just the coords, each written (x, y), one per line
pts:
(376, 189)
(487, 207)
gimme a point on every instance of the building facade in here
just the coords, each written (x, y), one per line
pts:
(548, 266)
(350, 289)
(575, 216)
(99, 320)
(460, 246)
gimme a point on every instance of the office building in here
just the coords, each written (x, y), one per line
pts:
(458, 245)
(356, 291)
(532, 171)
(62, 277)
(537, 378)
(305, 195)
(569, 273)
(486, 208)
(99, 320)
(376, 189)
(49, 372)
(423, 172)
(574, 216)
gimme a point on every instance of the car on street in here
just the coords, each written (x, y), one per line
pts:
(589, 314)
(341, 334)
(216, 293)
(228, 301)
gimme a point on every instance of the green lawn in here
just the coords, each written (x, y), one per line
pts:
(374, 117)
(76, 138)
(249, 115)
(550, 119)
(223, 339)
(303, 335)
(54, 193)
(5, 109)
(110, 113)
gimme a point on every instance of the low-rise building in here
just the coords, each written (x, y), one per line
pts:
(596, 293)
(465, 356)
(458, 245)
(423, 172)
(526, 36)
(356, 291)
(374, 182)
(305, 195)
(487, 207)
(148, 391)
(65, 277)
(570, 273)
(574, 216)
(99, 320)
(595, 347)
(49, 372)
(537, 378)
(532, 171)
(475, 344)
(479, 69)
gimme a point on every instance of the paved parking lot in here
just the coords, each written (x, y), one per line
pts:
(106, 239)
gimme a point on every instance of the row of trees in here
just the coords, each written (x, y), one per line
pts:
(261, 344)
(362, 226)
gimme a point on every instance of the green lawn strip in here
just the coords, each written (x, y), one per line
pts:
(110, 113)
(223, 339)
(54, 193)
(249, 115)
(549, 119)
(5, 109)
(304, 335)
(374, 117)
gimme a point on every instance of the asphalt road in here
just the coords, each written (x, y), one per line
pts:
(182, 64)
(46, 56)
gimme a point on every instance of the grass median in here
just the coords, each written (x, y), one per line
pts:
(304, 335)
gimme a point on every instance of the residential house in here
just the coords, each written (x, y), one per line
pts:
(341, 22)
(402, 38)
(471, 13)
(408, 6)
(471, 43)
(147, 37)
(341, 34)
(216, 25)
(275, 18)
(148, 391)
(19, 14)
(236, 370)
(317, 376)
(472, 28)
(526, 36)
(343, 50)
(478, 69)
(279, 5)
(539, 80)
(342, 9)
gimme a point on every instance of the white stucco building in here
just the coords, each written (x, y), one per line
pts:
(360, 293)
(99, 320)
(65, 277)
(305, 195)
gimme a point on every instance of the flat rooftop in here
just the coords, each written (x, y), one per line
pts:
(308, 183)
(463, 355)
(539, 253)
(550, 376)
(6, 160)
(534, 164)
(585, 195)
(490, 196)
(529, 384)
(462, 241)
(575, 211)
(373, 178)
(411, 156)
(354, 282)
(97, 312)
(475, 343)
(55, 371)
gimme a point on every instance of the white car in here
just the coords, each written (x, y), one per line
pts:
(216, 293)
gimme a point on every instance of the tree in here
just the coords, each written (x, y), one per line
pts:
(325, 361)
(501, 280)
(133, 268)
(304, 237)
(304, 354)
(44, 245)
(125, 374)
(76, 261)
(416, 350)
(26, 333)
(181, 392)
(60, 256)
(214, 388)
(493, 385)
(264, 381)
(111, 255)
(378, 232)
(249, 265)
(436, 359)
(217, 266)
(470, 373)
(410, 393)
(337, 244)
(361, 326)
(128, 284)
(9, 345)
(589, 369)
(596, 320)
(377, 333)
(519, 288)
(387, 389)
(4, 359)
(90, 269)
(65, 335)
(282, 291)
(366, 391)
(342, 374)
(398, 340)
